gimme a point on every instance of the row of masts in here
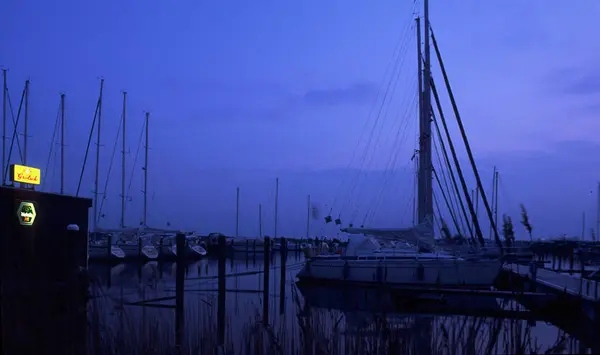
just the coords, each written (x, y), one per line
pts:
(260, 220)
(123, 195)
(97, 125)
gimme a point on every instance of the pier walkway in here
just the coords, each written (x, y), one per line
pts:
(575, 286)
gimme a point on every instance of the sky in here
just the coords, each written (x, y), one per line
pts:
(240, 93)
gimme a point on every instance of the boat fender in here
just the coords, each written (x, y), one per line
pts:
(346, 271)
(420, 272)
(379, 272)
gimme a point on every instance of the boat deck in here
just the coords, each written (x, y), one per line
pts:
(576, 286)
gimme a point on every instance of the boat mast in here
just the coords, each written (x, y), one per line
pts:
(4, 107)
(418, 186)
(276, 205)
(308, 218)
(97, 172)
(425, 192)
(62, 144)
(123, 149)
(146, 174)
(237, 212)
(25, 130)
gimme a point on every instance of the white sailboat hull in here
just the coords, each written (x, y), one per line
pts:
(433, 272)
(96, 252)
(132, 251)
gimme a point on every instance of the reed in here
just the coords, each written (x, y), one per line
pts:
(122, 329)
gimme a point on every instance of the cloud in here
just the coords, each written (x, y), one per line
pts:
(358, 93)
(235, 113)
(576, 81)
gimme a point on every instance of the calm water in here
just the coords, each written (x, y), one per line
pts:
(305, 319)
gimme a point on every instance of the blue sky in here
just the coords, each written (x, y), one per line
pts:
(241, 92)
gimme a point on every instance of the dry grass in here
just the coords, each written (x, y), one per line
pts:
(135, 330)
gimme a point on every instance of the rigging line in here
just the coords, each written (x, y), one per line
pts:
(461, 177)
(112, 158)
(396, 144)
(370, 140)
(401, 135)
(87, 149)
(397, 155)
(396, 51)
(53, 179)
(469, 154)
(12, 112)
(54, 132)
(437, 205)
(448, 200)
(369, 164)
(137, 153)
(16, 124)
(447, 159)
(397, 48)
(392, 175)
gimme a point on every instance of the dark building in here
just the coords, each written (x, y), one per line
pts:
(43, 285)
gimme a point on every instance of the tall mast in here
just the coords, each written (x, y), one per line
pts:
(425, 192)
(62, 144)
(97, 172)
(146, 174)
(308, 218)
(123, 150)
(237, 212)
(418, 186)
(4, 107)
(276, 205)
(25, 130)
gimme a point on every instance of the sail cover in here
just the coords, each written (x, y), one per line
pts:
(420, 235)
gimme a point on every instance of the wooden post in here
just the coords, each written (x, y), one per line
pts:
(283, 255)
(109, 247)
(221, 292)
(267, 260)
(179, 289)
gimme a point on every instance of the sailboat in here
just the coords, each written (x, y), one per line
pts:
(366, 261)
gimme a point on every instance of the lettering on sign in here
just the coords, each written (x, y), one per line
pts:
(25, 174)
(26, 213)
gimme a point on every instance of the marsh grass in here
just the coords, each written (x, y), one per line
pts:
(116, 328)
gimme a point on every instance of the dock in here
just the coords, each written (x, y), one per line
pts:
(558, 282)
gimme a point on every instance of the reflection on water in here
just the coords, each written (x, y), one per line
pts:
(304, 319)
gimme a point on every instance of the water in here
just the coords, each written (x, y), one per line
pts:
(304, 319)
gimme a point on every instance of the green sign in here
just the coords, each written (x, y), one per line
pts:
(26, 213)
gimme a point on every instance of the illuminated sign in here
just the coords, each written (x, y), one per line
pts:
(26, 213)
(25, 174)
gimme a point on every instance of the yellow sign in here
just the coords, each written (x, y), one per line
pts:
(26, 213)
(25, 174)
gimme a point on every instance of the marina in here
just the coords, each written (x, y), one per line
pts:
(74, 281)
